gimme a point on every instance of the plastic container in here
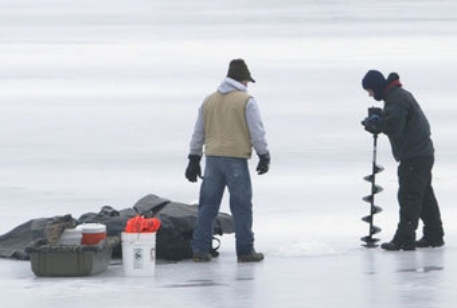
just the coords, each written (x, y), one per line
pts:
(92, 233)
(70, 237)
(138, 253)
(71, 261)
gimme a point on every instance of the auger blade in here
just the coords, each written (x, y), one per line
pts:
(370, 245)
(369, 178)
(370, 242)
(377, 189)
(374, 230)
(375, 210)
(378, 168)
(367, 219)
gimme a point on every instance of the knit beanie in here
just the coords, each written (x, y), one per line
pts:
(239, 71)
(375, 81)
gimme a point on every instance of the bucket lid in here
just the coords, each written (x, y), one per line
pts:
(92, 228)
(72, 233)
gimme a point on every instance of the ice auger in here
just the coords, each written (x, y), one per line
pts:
(369, 240)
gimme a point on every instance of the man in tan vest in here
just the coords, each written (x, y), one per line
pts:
(228, 126)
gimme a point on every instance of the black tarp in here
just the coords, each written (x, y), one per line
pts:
(172, 242)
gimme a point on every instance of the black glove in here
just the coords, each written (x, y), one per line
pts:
(374, 111)
(264, 163)
(373, 123)
(194, 170)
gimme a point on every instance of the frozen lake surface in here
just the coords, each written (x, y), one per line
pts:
(97, 104)
(359, 278)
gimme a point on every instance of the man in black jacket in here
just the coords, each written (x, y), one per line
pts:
(408, 130)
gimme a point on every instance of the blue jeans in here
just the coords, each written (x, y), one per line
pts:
(233, 173)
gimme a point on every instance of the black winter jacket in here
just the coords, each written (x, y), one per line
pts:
(406, 125)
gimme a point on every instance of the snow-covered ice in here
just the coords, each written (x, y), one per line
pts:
(359, 278)
(98, 101)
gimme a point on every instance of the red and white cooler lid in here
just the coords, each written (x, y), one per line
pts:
(92, 228)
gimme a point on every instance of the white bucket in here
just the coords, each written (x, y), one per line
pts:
(70, 237)
(138, 253)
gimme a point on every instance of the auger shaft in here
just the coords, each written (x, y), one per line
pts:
(368, 240)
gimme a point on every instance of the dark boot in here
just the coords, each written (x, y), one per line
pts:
(403, 239)
(424, 242)
(432, 238)
(252, 257)
(395, 245)
(201, 257)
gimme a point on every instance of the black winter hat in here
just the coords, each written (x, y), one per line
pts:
(375, 81)
(239, 71)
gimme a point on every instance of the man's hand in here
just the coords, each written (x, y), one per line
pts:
(264, 164)
(372, 124)
(194, 171)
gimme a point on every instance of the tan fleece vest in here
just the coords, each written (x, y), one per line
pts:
(226, 129)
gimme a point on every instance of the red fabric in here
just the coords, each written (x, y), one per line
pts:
(140, 224)
(395, 83)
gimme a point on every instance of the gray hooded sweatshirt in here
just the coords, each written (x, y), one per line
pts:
(253, 119)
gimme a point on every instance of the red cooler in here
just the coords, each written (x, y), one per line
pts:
(92, 233)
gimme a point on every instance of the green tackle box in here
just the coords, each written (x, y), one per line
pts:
(71, 260)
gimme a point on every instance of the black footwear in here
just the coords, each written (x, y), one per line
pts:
(201, 257)
(252, 257)
(403, 239)
(425, 243)
(395, 246)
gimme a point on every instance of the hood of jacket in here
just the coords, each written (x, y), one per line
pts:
(229, 85)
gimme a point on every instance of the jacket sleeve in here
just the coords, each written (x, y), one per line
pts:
(198, 136)
(255, 126)
(394, 119)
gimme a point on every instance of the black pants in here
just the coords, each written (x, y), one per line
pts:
(416, 197)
